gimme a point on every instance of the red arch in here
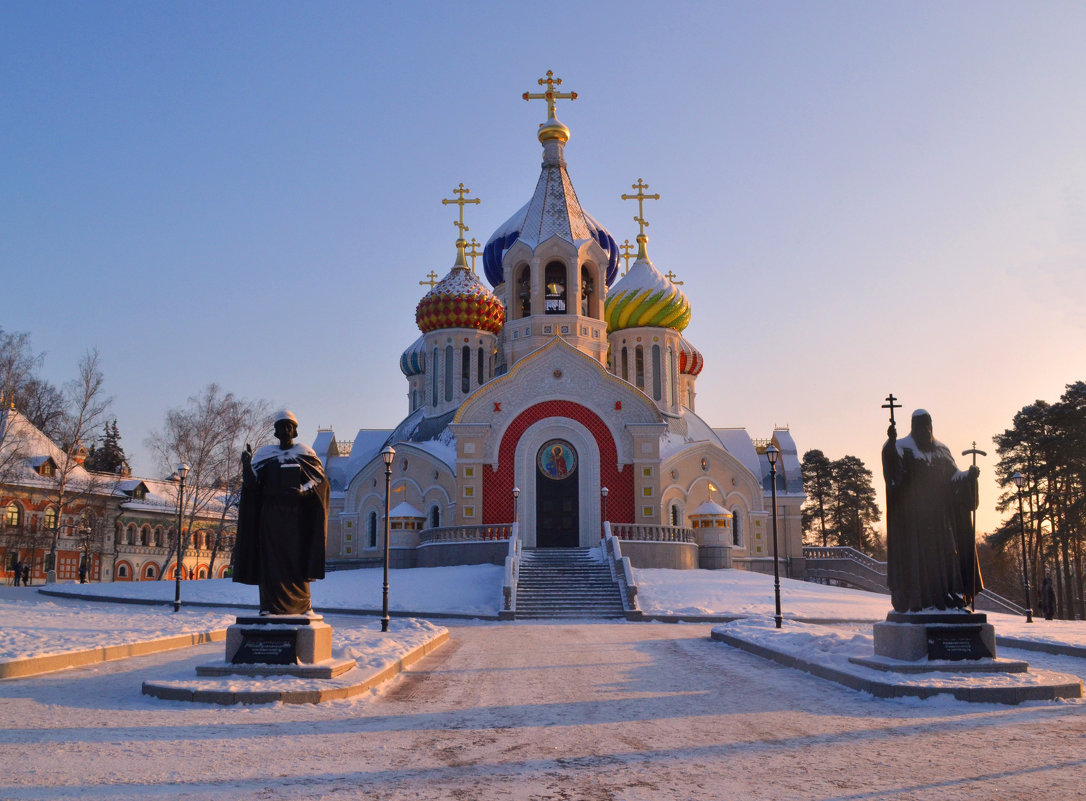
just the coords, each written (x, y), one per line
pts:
(498, 484)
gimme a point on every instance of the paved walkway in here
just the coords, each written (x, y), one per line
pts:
(534, 711)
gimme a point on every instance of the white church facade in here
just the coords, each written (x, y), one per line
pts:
(559, 399)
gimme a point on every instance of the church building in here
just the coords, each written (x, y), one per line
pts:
(561, 398)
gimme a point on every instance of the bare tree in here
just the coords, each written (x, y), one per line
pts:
(86, 409)
(208, 434)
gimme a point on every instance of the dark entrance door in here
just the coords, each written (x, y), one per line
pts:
(557, 512)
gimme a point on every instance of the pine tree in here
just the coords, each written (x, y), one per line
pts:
(817, 471)
(109, 458)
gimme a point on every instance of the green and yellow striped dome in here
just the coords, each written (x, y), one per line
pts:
(645, 298)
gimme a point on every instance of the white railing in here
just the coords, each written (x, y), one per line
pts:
(512, 572)
(640, 532)
(621, 570)
(498, 532)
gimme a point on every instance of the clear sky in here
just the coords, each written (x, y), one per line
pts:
(860, 198)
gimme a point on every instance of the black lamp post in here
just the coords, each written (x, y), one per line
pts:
(603, 509)
(388, 454)
(182, 471)
(516, 503)
(1019, 481)
(772, 453)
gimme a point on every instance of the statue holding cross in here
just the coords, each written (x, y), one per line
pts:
(930, 541)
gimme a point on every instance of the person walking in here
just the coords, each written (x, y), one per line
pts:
(1047, 601)
(16, 572)
(26, 575)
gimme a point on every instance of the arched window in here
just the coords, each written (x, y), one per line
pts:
(13, 515)
(587, 292)
(736, 538)
(50, 519)
(524, 291)
(149, 571)
(555, 284)
(203, 573)
(371, 530)
(656, 390)
(145, 536)
(625, 364)
(160, 537)
(414, 399)
(669, 387)
(639, 367)
(435, 516)
(480, 366)
(465, 370)
(448, 372)
(675, 518)
(130, 534)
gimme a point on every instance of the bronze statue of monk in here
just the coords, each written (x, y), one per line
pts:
(282, 521)
(931, 552)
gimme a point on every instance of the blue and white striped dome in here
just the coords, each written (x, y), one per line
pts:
(413, 360)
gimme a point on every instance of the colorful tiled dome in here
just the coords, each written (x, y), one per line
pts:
(413, 360)
(690, 359)
(645, 298)
(460, 300)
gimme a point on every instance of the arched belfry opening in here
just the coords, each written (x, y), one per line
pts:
(555, 284)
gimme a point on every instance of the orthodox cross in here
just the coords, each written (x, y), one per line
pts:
(626, 247)
(433, 280)
(474, 252)
(550, 95)
(891, 406)
(641, 197)
(460, 201)
(670, 276)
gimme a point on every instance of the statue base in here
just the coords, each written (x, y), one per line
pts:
(279, 645)
(935, 636)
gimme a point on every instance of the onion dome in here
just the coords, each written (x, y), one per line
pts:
(554, 209)
(645, 298)
(413, 360)
(460, 300)
(690, 359)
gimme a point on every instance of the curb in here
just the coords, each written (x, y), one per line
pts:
(48, 663)
(344, 687)
(881, 689)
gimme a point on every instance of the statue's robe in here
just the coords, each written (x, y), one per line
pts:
(931, 551)
(281, 532)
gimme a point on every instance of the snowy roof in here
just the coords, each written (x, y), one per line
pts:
(405, 510)
(710, 508)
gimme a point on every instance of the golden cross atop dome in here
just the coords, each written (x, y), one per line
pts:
(432, 276)
(473, 252)
(626, 249)
(550, 95)
(641, 197)
(670, 276)
(460, 201)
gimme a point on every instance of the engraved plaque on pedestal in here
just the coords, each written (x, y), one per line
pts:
(956, 642)
(267, 647)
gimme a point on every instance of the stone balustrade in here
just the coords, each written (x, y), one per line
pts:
(483, 533)
(639, 532)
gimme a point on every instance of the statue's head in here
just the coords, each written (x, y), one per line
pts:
(286, 428)
(921, 429)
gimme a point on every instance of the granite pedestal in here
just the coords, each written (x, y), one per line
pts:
(279, 645)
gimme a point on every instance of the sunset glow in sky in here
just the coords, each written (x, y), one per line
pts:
(860, 198)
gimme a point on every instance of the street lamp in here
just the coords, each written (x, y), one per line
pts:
(772, 454)
(1019, 481)
(182, 471)
(516, 498)
(388, 454)
(603, 509)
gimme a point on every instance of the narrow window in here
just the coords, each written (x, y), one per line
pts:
(433, 379)
(524, 291)
(674, 514)
(639, 366)
(669, 387)
(736, 539)
(448, 372)
(479, 369)
(435, 516)
(625, 364)
(371, 530)
(465, 370)
(12, 514)
(656, 372)
(587, 288)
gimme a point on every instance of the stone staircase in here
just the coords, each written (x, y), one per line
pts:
(566, 583)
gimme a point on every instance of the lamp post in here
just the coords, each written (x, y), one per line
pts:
(182, 471)
(388, 454)
(516, 503)
(1019, 481)
(772, 454)
(603, 510)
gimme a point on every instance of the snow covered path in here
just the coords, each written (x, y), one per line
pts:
(526, 711)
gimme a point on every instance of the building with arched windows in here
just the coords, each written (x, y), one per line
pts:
(109, 527)
(560, 396)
